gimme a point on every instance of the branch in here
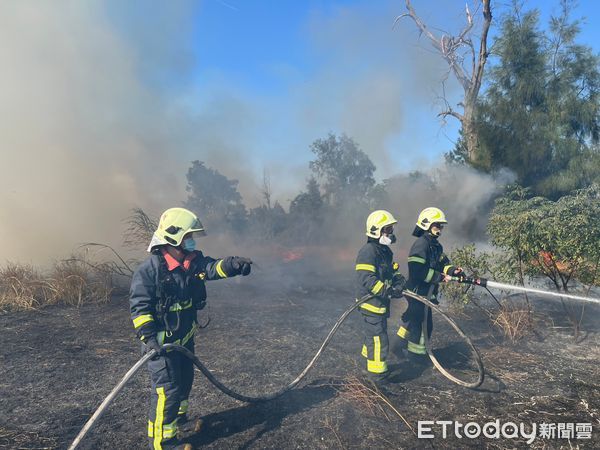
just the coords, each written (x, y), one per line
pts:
(477, 75)
(104, 246)
(452, 113)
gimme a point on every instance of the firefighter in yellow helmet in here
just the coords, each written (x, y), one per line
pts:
(377, 276)
(427, 267)
(167, 291)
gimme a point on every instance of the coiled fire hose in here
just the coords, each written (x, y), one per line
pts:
(244, 398)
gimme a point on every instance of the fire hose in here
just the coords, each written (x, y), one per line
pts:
(248, 399)
(473, 281)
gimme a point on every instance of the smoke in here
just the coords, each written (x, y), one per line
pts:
(102, 111)
(94, 120)
(83, 139)
(464, 194)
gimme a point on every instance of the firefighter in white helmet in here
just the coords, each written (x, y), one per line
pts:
(427, 267)
(167, 291)
(377, 276)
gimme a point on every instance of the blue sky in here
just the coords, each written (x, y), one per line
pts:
(294, 70)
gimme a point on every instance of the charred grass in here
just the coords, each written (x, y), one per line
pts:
(60, 362)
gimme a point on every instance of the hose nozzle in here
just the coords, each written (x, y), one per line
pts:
(469, 280)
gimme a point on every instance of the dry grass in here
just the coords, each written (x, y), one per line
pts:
(140, 228)
(367, 397)
(331, 426)
(75, 282)
(514, 320)
(71, 282)
(22, 287)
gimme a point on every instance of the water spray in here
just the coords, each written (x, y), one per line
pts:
(483, 282)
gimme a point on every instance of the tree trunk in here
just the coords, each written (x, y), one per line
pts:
(467, 70)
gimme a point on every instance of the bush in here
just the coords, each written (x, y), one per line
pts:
(476, 264)
(557, 240)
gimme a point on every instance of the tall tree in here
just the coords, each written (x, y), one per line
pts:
(345, 170)
(214, 197)
(540, 114)
(309, 203)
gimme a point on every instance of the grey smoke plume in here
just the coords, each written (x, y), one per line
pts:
(465, 195)
(83, 138)
(100, 113)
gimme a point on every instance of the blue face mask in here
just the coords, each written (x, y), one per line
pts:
(188, 244)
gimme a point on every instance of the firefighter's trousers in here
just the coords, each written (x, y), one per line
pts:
(171, 378)
(411, 329)
(376, 344)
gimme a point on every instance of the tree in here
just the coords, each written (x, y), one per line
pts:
(307, 213)
(345, 170)
(556, 240)
(215, 198)
(540, 114)
(266, 223)
(309, 203)
(466, 64)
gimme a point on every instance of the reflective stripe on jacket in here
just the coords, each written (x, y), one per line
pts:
(185, 289)
(374, 267)
(427, 265)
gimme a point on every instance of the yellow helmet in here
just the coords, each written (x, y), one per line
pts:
(429, 216)
(378, 220)
(173, 225)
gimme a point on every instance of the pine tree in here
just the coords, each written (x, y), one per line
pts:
(540, 113)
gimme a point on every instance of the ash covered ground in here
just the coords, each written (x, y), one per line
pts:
(59, 363)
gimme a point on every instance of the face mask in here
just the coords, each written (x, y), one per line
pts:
(387, 239)
(189, 245)
(437, 232)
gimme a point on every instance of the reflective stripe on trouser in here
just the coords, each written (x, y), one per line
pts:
(183, 407)
(412, 326)
(375, 347)
(171, 377)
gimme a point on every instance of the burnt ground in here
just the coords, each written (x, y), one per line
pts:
(59, 363)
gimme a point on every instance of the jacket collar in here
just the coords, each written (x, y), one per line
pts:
(173, 264)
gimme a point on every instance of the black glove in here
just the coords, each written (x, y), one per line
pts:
(200, 304)
(399, 281)
(152, 344)
(396, 291)
(241, 265)
(460, 274)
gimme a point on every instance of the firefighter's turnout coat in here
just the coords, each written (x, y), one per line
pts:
(164, 299)
(375, 271)
(427, 265)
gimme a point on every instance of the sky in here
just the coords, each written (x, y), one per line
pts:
(104, 104)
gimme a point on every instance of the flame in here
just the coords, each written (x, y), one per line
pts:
(293, 254)
(548, 260)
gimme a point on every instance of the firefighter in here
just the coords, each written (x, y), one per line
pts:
(377, 276)
(427, 267)
(167, 291)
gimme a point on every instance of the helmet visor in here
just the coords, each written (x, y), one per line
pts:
(388, 229)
